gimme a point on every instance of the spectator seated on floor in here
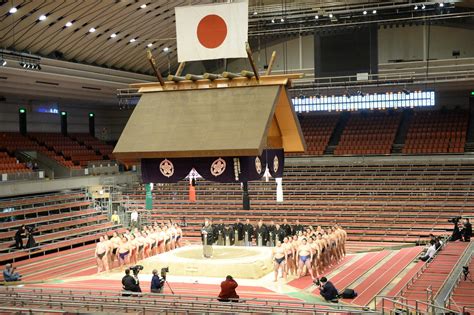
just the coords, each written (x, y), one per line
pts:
(228, 293)
(430, 252)
(9, 274)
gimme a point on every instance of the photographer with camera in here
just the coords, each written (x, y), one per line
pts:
(9, 273)
(457, 234)
(228, 293)
(467, 230)
(327, 290)
(131, 283)
(157, 283)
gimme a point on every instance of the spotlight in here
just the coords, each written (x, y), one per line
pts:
(255, 12)
(132, 40)
(364, 13)
(149, 45)
(13, 10)
(316, 17)
(423, 7)
(91, 30)
(330, 15)
(68, 24)
(374, 12)
(42, 17)
(416, 7)
(166, 49)
(282, 20)
(441, 5)
(143, 6)
(113, 35)
(273, 20)
(3, 62)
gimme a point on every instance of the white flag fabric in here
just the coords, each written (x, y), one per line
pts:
(212, 31)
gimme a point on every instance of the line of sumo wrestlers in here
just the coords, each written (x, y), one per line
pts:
(297, 250)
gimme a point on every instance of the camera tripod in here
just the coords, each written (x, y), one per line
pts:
(467, 274)
(169, 287)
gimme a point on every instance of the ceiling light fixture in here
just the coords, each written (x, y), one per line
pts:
(441, 5)
(273, 20)
(330, 15)
(416, 7)
(42, 17)
(282, 20)
(255, 12)
(316, 17)
(13, 10)
(423, 7)
(149, 45)
(91, 30)
(132, 40)
(143, 6)
(374, 12)
(166, 49)
(3, 62)
(113, 35)
(68, 24)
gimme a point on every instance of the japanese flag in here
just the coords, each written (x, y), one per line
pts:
(212, 31)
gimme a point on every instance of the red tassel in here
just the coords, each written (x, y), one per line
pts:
(192, 193)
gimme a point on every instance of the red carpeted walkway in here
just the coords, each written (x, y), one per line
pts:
(343, 279)
(383, 275)
(304, 282)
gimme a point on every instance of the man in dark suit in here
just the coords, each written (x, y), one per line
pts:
(286, 227)
(239, 231)
(261, 233)
(297, 227)
(279, 233)
(248, 232)
(467, 230)
(271, 234)
(327, 290)
(228, 235)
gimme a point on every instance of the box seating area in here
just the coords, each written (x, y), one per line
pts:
(61, 220)
(93, 143)
(437, 132)
(398, 203)
(317, 131)
(368, 134)
(11, 165)
(67, 147)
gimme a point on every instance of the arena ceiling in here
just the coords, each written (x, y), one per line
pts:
(116, 33)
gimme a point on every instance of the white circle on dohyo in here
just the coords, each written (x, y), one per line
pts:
(218, 167)
(258, 165)
(166, 168)
(275, 164)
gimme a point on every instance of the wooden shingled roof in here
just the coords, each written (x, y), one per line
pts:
(211, 119)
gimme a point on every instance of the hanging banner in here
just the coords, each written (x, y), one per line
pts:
(216, 169)
(148, 197)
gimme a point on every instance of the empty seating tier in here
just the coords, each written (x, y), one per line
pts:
(60, 220)
(369, 134)
(437, 132)
(317, 131)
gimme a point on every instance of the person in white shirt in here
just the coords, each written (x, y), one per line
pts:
(430, 252)
(134, 219)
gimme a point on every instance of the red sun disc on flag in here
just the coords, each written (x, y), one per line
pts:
(211, 31)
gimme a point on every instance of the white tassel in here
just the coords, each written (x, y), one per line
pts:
(267, 174)
(279, 182)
